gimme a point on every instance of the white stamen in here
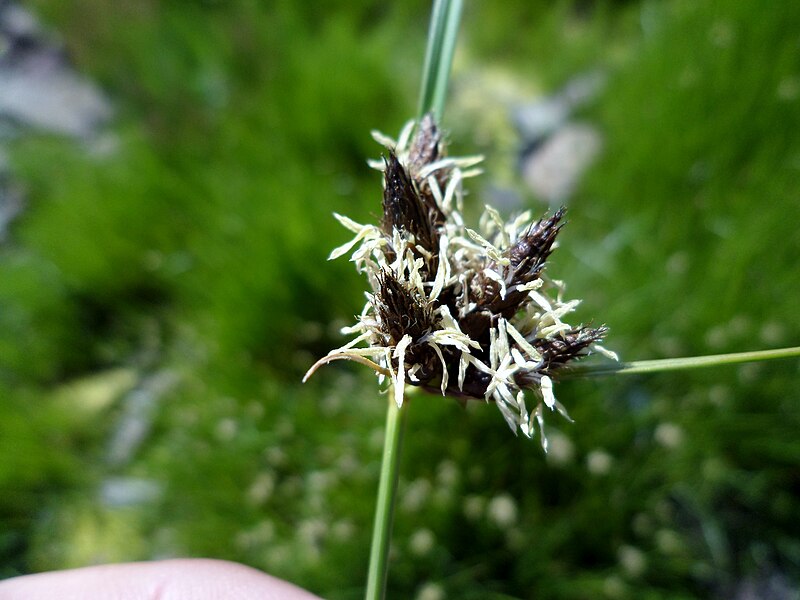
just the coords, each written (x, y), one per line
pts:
(547, 391)
(400, 378)
(605, 352)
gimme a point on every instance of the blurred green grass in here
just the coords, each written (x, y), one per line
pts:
(194, 253)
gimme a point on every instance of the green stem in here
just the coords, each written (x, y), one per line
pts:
(445, 19)
(678, 364)
(387, 490)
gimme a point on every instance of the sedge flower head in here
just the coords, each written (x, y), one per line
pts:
(464, 312)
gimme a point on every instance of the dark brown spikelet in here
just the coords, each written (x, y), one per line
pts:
(570, 345)
(556, 353)
(403, 208)
(427, 148)
(527, 257)
(401, 310)
(529, 254)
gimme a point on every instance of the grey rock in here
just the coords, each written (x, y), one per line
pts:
(773, 586)
(139, 408)
(38, 89)
(553, 170)
(52, 100)
(539, 119)
(40, 92)
(583, 89)
(129, 491)
(505, 200)
(17, 22)
(556, 151)
(11, 200)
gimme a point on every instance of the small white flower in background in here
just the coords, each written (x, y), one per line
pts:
(422, 542)
(262, 488)
(343, 530)
(430, 591)
(668, 542)
(467, 313)
(416, 495)
(502, 511)
(599, 462)
(447, 474)
(561, 450)
(632, 560)
(473, 507)
(669, 435)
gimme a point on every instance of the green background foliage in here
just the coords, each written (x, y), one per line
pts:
(178, 282)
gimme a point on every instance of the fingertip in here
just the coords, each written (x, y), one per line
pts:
(175, 579)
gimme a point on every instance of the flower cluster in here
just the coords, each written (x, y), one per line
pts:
(468, 313)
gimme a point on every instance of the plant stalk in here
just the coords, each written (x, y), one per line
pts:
(387, 491)
(445, 18)
(677, 364)
(442, 35)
